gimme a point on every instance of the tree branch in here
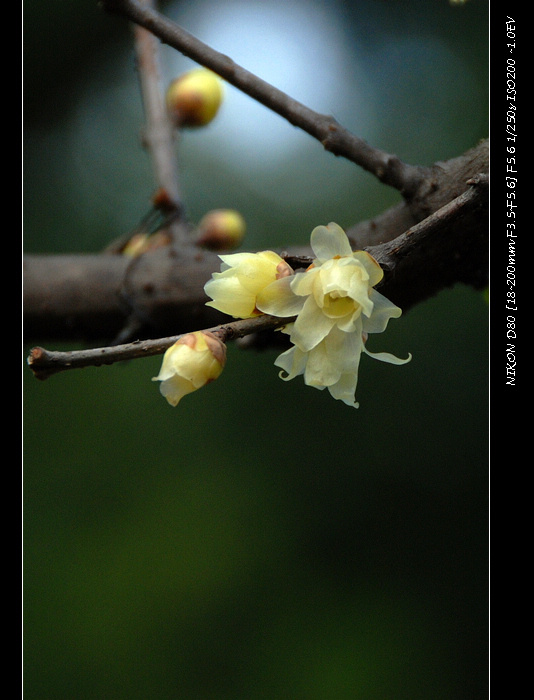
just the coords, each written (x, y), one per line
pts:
(445, 181)
(434, 246)
(451, 245)
(388, 168)
(44, 363)
(437, 237)
(90, 297)
(158, 133)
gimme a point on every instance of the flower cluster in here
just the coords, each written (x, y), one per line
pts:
(334, 302)
(331, 308)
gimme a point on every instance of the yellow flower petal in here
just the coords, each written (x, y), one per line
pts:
(329, 241)
(278, 299)
(292, 361)
(230, 297)
(383, 311)
(345, 389)
(372, 268)
(311, 326)
(387, 357)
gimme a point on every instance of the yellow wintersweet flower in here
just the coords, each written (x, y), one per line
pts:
(193, 361)
(243, 276)
(336, 308)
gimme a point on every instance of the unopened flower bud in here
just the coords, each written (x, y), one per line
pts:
(221, 229)
(136, 245)
(193, 361)
(193, 99)
(141, 243)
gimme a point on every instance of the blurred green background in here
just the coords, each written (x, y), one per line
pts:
(261, 540)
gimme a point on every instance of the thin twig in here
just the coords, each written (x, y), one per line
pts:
(388, 168)
(159, 134)
(44, 363)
